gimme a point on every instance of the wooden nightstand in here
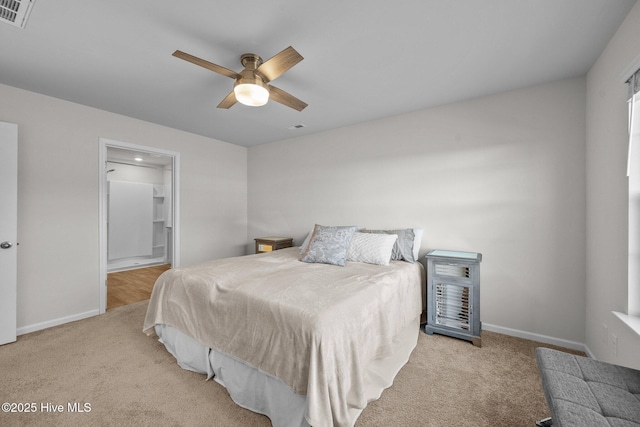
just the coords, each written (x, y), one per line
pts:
(268, 244)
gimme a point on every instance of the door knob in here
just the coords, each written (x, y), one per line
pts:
(6, 245)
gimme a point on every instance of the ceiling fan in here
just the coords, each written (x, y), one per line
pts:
(252, 84)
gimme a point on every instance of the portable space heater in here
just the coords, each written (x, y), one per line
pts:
(453, 294)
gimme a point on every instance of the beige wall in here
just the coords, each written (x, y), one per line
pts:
(58, 185)
(502, 175)
(607, 197)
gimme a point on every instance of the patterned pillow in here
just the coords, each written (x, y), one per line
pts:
(329, 245)
(371, 248)
(403, 248)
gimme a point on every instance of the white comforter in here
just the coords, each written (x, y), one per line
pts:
(314, 326)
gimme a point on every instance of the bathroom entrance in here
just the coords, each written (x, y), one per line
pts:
(138, 215)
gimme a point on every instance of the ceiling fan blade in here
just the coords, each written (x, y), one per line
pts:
(229, 101)
(284, 98)
(206, 64)
(277, 65)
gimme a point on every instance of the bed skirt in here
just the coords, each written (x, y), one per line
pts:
(265, 394)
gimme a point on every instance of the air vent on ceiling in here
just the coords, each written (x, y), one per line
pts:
(15, 12)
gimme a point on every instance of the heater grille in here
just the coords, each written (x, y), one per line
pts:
(453, 308)
(452, 270)
(15, 12)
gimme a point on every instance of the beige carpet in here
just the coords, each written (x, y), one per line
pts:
(128, 378)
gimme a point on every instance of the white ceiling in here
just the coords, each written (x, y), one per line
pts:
(364, 60)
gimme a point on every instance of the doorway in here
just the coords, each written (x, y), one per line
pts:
(138, 214)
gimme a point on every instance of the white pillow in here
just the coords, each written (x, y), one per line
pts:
(417, 241)
(306, 241)
(371, 248)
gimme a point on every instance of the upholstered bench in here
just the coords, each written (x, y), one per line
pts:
(583, 392)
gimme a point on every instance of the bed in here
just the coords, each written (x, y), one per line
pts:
(305, 343)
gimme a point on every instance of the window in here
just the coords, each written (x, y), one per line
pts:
(633, 171)
(632, 317)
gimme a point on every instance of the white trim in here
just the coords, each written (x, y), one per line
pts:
(102, 237)
(631, 68)
(632, 106)
(633, 322)
(573, 345)
(176, 210)
(175, 262)
(55, 322)
(589, 353)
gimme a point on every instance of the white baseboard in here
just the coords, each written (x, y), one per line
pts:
(589, 354)
(573, 345)
(55, 322)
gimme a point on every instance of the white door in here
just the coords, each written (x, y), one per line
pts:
(8, 230)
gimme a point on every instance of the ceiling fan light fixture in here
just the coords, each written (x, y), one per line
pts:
(251, 84)
(251, 91)
(251, 94)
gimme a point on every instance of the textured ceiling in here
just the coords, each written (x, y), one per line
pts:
(363, 60)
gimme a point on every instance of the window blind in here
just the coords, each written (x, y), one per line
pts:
(634, 84)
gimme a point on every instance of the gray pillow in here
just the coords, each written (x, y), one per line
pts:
(403, 248)
(329, 245)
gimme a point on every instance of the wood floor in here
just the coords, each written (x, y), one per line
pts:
(127, 287)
